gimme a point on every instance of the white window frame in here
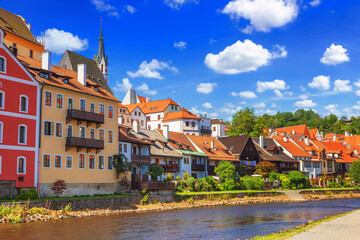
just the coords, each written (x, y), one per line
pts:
(27, 104)
(62, 101)
(17, 165)
(50, 128)
(25, 137)
(84, 161)
(49, 160)
(72, 162)
(101, 129)
(94, 162)
(112, 162)
(94, 107)
(80, 131)
(46, 91)
(80, 104)
(99, 162)
(4, 64)
(72, 103)
(0, 164)
(112, 137)
(61, 129)
(1, 131)
(94, 133)
(108, 111)
(3, 100)
(60, 161)
(72, 130)
(101, 104)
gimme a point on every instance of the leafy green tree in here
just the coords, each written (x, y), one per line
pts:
(354, 171)
(225, 170)
(243, 122)
(155, 171)
(121, 164)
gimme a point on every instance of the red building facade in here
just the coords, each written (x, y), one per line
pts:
(19, 121)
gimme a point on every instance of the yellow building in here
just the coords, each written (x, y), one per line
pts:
(79, 130)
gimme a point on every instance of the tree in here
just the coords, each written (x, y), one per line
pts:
(265, 168)
(155, 171)
(225, 170)
(243, 122)
(121, 164)
(58, 187)
(354, 172)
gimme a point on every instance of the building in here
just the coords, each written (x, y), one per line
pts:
(19, 117)
(182, 121)
(204, 125)
(124, 116)
(218, 128)
(101, 59)
(132, 98)
(137, 115)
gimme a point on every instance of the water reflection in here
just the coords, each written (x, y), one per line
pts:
(225, 222)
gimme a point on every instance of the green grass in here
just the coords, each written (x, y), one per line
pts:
(297, 230)
(68, 198)
(221, 192)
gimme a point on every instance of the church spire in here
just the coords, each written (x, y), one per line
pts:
(101, 59)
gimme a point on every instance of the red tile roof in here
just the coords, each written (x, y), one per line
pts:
(183, 114)
(293, 148)
(142, 99)
(298, 129)
(179, 141)
(312, 133)
(153, 106)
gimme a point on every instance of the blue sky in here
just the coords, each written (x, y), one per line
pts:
(215, 56)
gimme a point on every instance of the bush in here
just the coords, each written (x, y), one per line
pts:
(144, 192)
(178, 178)
(274, 176)
(354, 171)
(225, 170)
(298, 179)
(58, 187)
(211, 184)
(191, 184)
(285, 182)
(185, 176)
(230, 184)
(144, 200)
(265, 168)
(253, 183)
(24, 195)
(155, 171)
(33, 193)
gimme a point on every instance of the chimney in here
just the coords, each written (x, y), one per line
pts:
(166, 131)
(307, 141)
(334, 138)
(46, 60)
(136, 126)
(132, 96)
(346, 133)
(148, 99)
(261, 141)
(212, 144)
(285, 139)
(81, 73)
(322, 134)
(293, 131)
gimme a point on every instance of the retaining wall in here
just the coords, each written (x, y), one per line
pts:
(326, 191)
(7, 189)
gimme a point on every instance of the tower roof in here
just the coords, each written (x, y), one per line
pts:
(101, 48)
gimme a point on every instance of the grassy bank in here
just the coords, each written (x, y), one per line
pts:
(282, 235)
(66, 198)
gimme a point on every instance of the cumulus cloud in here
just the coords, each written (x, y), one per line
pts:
(334, 55)
(263, 111)
(260, 105)
(315, 3)
(130, 9)
(242, 57)
(357, 84)
(180, 45)
(342, 86)
(263, 15)
(271, 85)
(244, 94)
(229, 111)
(176, 4)
(105, 6)
(207, 105)
(320, 82)
(151, 69)
(306, 103)
(273, 105)
(145, 88)
(58, 41)
(123, 86)
(302, 88)
(358, 93)
(303, 96)
(278, 93)
(332, 109)
(205, 88)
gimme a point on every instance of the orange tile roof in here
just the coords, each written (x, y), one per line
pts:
(183, 114)
(298, 129)
(293, 148)
(56, 79)
(312, 133)
(179, 141)
(142, 99)
(153, 106)
(221, 152)
(122, 105)
(353, 140)
(338, 137)
(335, 147)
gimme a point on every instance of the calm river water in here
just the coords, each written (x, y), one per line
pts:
(226, 222)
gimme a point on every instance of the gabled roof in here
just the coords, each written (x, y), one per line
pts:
(183, 114)
(353, 140)
(237, 143)
(141, 98)
(16, 25)
(266, 156)
(294, 130)
(220, 152)
(217, 121)
(124, 137)
(335, 147)
(293, 148)
(312, 133)
(153, 106)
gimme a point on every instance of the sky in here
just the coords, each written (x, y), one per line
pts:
(215, 56)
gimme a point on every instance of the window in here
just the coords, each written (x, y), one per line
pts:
(159, 126)
(110, 136)
(92, 133)
(142, 122)
(59, 100)
(44, 75)
(324, 164)
(92, 107)
(31, 53)
(187, 124)
(68, 162)
(158, 117)
(120, 147)
(101, 108)
(70, 103)
(48, 128)
(2, 99)
(22, 134)
(57, 161)
(92, 162)
(48, 98)
(46, 161)
(110, 111)
(69, 131)
(58, 129)
(134, 150)
(81, 160)
(135, 113)
(0, 165)
(101, 134)
(110, 162)
(101, 162)
(23, 103)
(21, 167)
(2, 64)
(307, 164)
(316, 164)
(1, 131)
(82, 105)
(125, 148)
(214, 128)
(82, 131)
(193, 124)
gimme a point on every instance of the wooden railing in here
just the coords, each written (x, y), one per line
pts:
(84, 143)
(157, 185)
(74, 114)
(140, 159)
(198, 167)
(170, 168)
(205, 131)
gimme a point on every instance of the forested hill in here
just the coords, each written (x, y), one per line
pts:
(246, 122)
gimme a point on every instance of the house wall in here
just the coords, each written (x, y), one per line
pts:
(206, 124)
(124, 117)
(140, 116)
(153, 121)
(125, 148)
(24, 46)
(190, 130)
(218, 130)
(185, 164)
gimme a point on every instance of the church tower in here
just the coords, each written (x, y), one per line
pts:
(101, 59)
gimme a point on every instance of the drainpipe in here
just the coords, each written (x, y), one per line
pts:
(39, 156)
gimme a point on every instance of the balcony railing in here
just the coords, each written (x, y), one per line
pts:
(168, 168)
(79, 115)
(210, 170)
(140, 159)
(157, 185)
(84, 143)
(197, 167)
(205, 131)
(330, 169)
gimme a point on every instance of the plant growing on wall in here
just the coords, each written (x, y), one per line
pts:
(58, 187)
(155, 171)
(121, 164)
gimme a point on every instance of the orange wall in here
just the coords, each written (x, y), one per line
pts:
(24, 46)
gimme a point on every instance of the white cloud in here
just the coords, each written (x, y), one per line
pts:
(278, 93)
(260, 105)
(229, 105)
(302, 88)
(105, 6)
(320, 82)
(213, 115)
(273, 85)
(180, 45)
(212, 41)
(207, 105)
(358, 93)
(303, 96)
(206, 88)
(176, 4)
(306, 103)
(229, 111)
(332, 109)
(262, 14)
(245, 94)
(58, 41)
(335, 54)
(145, 88)
(130, 9)
(273, 105)
(150, 70)
(342, 86)
(242, 57)
(357, 84)
(263, 111)
(195, 110)
(124, 86)
(315, 3)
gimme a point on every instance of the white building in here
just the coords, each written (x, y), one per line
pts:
(218, 128)
(204, 125)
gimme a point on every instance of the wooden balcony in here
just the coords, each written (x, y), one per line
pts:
(155, 186)
(198, 167)
(87, 143)
(168, 168)
(210, 170)
(205, 131)
(140, 159)
(84, 116)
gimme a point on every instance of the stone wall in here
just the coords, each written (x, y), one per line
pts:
(7, 189)
(79, 189)
(329, 190)
(211, 196)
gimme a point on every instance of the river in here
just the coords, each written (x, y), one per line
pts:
(224, 222)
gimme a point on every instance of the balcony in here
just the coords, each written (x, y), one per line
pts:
(197, 167)
(84, 116)
(170, 168)
(205, 131)
(140, 159)
(330, 169)
(87, 143)
(210, 171)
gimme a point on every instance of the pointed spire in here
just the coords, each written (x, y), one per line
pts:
(101, 48)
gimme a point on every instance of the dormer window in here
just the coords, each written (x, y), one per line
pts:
(66, 81)
(96, 89)
(44, 75)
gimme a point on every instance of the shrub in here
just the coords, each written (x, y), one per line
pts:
(229, 184)
(178, 178)
(144, 200)
(144, 192)
(253, 183)
(298, 179)
(354, 171)
(121, 164)
(185, 176)
(33, 193)
(274, 176)
(225, 170)
(265, 168)
(191, 184)
(58, 187)
(24, 195)
(211, 184)
(155, 171)
(285, 182)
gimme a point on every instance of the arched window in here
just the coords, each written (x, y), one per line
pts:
(21, 165)
(22, 134)
(2, 64)
(2, 100)
(23, 103)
